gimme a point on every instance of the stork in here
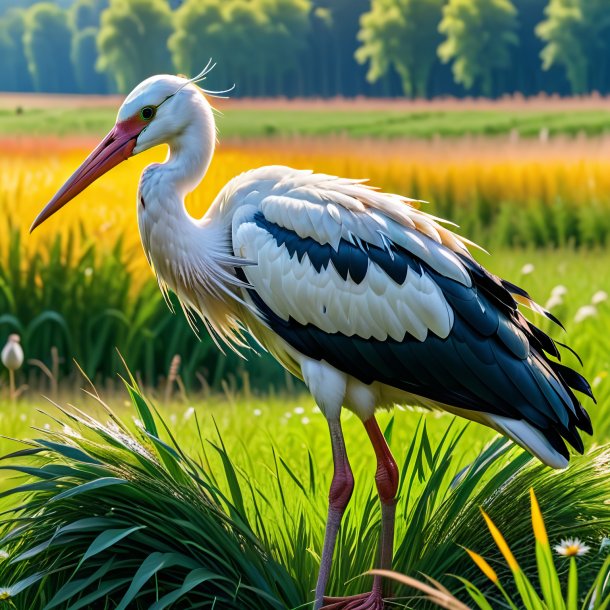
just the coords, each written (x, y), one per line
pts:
(366, 298)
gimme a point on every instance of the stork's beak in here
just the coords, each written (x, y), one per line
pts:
(117, 146)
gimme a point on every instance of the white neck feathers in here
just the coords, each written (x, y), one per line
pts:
(192, 257)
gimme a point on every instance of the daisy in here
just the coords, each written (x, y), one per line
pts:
(527, 269)
(572, 547)
(586, 311)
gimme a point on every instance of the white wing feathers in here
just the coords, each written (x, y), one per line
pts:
(328, 210)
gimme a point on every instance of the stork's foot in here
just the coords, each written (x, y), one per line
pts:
(364, 601)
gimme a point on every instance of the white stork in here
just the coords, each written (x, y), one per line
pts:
(367, 299)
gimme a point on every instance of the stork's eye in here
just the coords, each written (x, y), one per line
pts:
(148, 112)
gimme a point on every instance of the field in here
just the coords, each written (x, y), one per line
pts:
(239, 119)
(79, 287)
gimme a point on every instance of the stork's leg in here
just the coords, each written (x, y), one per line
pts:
(386, 479)
(340, 493)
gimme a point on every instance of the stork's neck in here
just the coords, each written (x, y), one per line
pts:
(190, 150)
(192, 257)
(165, 225)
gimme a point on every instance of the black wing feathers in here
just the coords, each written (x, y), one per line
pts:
(494, 360)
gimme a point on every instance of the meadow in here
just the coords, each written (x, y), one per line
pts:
(244, 439)
(70, 115)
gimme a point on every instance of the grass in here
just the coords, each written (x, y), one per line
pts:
(245, 512)
(256, 122)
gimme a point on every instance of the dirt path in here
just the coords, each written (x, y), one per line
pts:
(554, 103)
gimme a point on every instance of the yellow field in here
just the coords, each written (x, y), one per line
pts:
(472, 182)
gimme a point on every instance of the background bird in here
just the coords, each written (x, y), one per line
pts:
(369, 300)
(12, 359)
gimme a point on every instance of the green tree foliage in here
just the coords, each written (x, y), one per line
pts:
(256, 42)
(132, 41)
(479, 34)
(84, 59)
(86, 14)
(7, 64)
(402, 33)
(577, 33)
(285, 33)
(203, 33)
(47, 39)
(13, 24)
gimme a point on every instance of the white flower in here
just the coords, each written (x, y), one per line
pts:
(3, 555)
(288, 415)
(173, 419)
(257, 412)
(571, 547)
(586, 311)
(189, 413)
(47, 426)
(559, 291)
(305, 420)
(599, 378)
(599, 297)
(527, 269)
(299, 410)
(555, 300)
(88, 272)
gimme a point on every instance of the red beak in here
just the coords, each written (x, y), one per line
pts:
(117, 146)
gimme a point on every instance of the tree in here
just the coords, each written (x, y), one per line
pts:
(249, 40)
(479, 34)
(47, 38)
(7, 55)
(201, 35)
(132, 41)
(402, 33)
(14, 27)
(283, 38)
(86, 14)
(84, 58)
(577, 36)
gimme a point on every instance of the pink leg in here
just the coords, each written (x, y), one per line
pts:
(386, 478)
(340, 493)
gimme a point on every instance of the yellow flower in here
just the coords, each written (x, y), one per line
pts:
(537, 520)
(499, 540)
(483, 566)
(572, 547)
(5, 594)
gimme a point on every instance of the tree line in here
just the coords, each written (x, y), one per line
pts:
(417, 48)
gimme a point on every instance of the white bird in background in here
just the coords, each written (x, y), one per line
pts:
(12, 359)
(367, 299)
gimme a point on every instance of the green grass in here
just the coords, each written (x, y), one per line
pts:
(239, 498)
(255, 123)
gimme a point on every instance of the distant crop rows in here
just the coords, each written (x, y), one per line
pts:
(379, 119)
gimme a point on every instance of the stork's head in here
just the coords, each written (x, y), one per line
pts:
(157, 111)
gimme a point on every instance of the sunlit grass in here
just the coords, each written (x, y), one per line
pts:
(263, 468)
